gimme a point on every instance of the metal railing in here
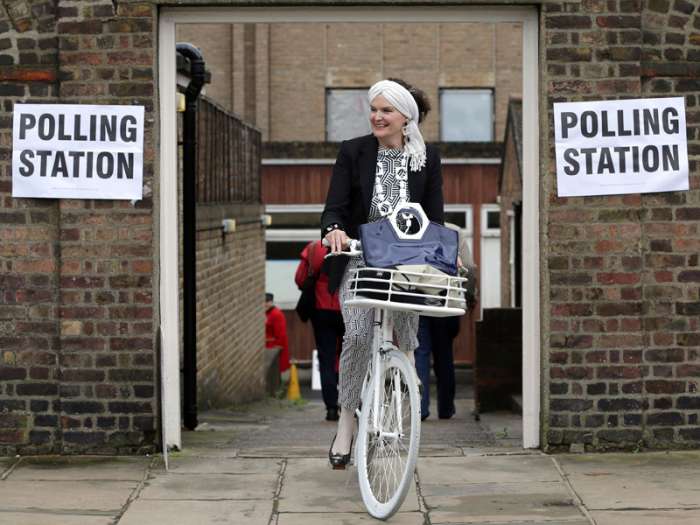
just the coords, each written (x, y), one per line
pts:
(228, 156)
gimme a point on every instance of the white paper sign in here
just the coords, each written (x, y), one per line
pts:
(77, 151)
(620, 146)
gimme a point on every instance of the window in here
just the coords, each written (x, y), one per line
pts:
(466, 115)
(291, 228)
(347, 114)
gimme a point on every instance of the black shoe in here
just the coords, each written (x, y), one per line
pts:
(332, 414)
(338, 461)
(423, 417)
(447, 415)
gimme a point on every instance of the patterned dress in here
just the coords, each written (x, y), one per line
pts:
(391, 169)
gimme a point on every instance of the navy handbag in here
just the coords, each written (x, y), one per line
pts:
(383, 247)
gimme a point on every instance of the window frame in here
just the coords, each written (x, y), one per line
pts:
(485, 230)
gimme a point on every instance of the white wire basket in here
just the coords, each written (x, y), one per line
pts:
(430, 294)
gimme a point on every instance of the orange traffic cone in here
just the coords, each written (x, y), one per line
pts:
(293, 392)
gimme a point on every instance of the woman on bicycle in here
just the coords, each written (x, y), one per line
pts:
(371, 175)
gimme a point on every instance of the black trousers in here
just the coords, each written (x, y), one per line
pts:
(436, 336)
(328, 331)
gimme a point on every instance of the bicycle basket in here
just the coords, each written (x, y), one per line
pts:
(428, 292)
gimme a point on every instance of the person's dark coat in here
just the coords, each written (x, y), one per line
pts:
(352, 184)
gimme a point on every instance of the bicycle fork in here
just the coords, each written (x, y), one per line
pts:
(383, 337)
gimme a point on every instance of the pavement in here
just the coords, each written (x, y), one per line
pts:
(266, 464)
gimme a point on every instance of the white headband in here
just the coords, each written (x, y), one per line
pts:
(399, 97)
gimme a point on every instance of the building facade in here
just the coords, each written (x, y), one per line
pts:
(619, 303)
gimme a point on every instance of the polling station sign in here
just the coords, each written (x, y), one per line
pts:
(620, 146)
(77, 151)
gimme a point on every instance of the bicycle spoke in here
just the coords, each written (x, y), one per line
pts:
(387, 456)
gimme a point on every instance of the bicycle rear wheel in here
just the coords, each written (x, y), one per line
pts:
(386, 454)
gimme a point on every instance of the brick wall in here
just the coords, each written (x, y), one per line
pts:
(230, 306)
(621, 273)
(77, 314)
(218, 59)
(29, 242)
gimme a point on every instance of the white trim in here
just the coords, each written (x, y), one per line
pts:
(297, 162)
(511, 256)
(401, 14)
(528, 15)
(294, 208)
(168, 216)
(297, 235)
(531, 231)
(476, 160)
(330, 162)
(485, 230)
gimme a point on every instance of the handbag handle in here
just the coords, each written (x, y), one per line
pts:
(420, 215)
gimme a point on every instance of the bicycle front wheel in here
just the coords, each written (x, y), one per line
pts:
(388, 436)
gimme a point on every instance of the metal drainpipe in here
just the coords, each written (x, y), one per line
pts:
(189, 226)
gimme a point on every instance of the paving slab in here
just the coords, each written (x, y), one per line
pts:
(488, 469)
(207, 439)
(439, 450)
(284, 452)
(6, 463)
(647, 517)
(210, 487)
(249, 512)
(312, 484)
(556, 521)
(341, 518)
(503, 425)
(65, 495)
(505, 508)
(83, 468)
(36, 518)
(666, 480)
(207, 465)
(500, 451)
(204, 451)
(553, 488)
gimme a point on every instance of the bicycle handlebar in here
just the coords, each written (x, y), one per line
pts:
(354, 249)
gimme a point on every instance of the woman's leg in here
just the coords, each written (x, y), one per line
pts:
(406, 331)
(354, 358)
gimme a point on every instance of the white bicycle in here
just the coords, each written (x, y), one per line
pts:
(386, 449)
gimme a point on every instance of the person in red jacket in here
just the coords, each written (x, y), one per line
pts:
(276, 331)
(327, 322)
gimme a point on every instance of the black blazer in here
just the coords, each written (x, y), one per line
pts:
(352, 184)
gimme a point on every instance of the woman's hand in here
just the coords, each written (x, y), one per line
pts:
(337, 240)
